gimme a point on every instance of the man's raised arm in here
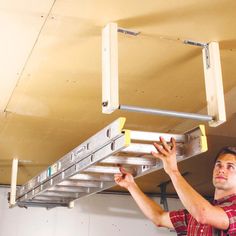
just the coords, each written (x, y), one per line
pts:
(197, 206)
(150, 208)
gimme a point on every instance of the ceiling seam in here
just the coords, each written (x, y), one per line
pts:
(30, 53)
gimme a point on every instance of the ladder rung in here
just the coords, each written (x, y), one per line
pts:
(103, 169)
(109, 169)
(139, 148)
(93, 177)
(78, 183)
(154, 137)
(54, 193)
(53, 198)
(71, 189)
(146, 149)
(130, 160)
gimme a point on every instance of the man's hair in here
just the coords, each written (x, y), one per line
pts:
(226, 150)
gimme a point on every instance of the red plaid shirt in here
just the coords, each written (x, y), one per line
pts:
(185, 224)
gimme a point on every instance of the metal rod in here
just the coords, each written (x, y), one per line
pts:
(193, 116)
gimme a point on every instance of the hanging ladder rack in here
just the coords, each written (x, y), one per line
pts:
(212, 77)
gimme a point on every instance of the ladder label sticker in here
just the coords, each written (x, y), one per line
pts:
(49, 171)
(53, 169)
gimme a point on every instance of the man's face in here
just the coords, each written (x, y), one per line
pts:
(224, 173)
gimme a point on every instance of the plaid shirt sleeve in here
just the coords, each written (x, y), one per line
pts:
(231, 213)
(179, 220)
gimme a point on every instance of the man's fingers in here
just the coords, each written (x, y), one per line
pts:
(160, 149)
(173, 144)
(118, 178)
(157, 155)
(117, 175)
(123, 171)
(164, 144)
(164, 149)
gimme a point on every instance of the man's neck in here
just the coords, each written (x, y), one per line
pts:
(220, 193)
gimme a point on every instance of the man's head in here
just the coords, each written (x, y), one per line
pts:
(226, 150)
(224, 173)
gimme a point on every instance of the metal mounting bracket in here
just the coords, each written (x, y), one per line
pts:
(163, 200)
(212, 75)
(207, 56)
(205, 46)
(162, 187)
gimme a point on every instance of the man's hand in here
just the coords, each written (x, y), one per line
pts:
(124, 179)
(150, 208)
(167, 154)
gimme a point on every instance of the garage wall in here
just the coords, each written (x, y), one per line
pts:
(97, 215)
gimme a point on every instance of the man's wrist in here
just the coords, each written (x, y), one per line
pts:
(174, 173)
(132, 186)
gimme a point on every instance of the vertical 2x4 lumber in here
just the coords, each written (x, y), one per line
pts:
(110, 90)
(213, 84)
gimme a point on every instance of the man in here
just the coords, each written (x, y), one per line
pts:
(200, 217)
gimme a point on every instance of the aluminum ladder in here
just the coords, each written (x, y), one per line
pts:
(90, 167)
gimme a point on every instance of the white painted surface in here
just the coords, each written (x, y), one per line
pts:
(97, 215)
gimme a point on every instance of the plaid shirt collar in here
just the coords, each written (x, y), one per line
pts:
(229, 198)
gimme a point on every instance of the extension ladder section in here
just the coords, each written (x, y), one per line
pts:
(90, 167)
